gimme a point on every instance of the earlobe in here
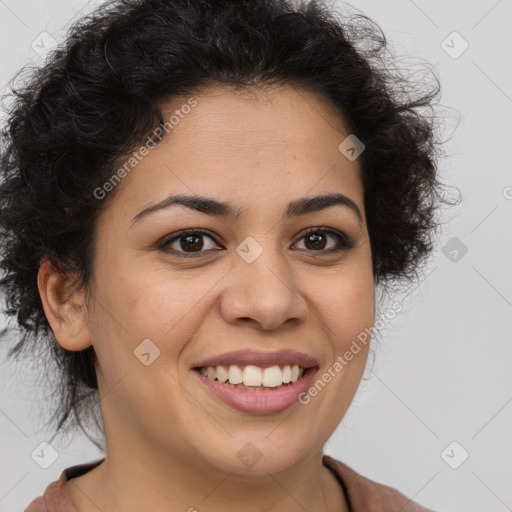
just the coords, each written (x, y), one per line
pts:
(64, 308)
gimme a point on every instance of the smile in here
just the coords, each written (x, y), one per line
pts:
(254, 378)
(256, 399)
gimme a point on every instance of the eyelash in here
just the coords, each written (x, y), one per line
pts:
(344, 241)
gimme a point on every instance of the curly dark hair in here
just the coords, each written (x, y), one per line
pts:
(101, 92)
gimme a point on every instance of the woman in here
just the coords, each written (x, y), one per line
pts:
(199, 199)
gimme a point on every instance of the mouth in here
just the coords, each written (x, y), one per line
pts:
(254, 378)
(239, 387)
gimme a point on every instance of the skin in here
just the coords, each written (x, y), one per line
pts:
(170, 444)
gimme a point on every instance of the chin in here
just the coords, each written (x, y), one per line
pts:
(260, 454)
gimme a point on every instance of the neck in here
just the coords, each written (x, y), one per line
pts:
(132, 482)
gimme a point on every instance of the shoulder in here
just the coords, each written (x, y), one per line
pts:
(52, 494)
(37, 505)
(365, 494)
(55, 497)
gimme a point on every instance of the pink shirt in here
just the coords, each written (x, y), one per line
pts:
(363, 494)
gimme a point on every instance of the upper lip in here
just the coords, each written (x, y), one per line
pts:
(262, 359)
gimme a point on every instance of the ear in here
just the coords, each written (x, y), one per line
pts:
(64, 308)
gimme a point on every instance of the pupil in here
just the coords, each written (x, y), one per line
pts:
(316, 238)
(189, 242)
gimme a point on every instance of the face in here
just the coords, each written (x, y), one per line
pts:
(255, 280)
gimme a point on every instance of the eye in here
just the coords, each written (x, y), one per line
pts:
(190, 244)
(315, 239)
(186, 241)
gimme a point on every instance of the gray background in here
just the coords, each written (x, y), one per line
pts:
(443, 368)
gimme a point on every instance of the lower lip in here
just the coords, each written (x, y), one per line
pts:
(259, 402)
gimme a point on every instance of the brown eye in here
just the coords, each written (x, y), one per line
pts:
(191, 243)
(316, 240)
(188, 242)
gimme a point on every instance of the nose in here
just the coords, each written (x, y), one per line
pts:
(263, 293)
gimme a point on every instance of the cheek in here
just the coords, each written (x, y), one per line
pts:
(134, 310)
(134, 300)
(152, 302)
(346, 306)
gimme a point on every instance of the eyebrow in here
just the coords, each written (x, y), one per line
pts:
(218, 208)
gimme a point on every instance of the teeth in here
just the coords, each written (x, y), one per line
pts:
(235, 375)
(273, 376)
(287, 374)
(222, 374)
(251, 376)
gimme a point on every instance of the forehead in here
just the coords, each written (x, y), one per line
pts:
(251, 147)
(241, 120)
